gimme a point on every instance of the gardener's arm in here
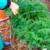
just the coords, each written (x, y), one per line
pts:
(7, 3)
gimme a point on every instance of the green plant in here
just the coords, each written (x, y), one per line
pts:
(34, 33)
(32, 8)
(32, 23)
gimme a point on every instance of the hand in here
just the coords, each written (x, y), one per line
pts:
(14, 7)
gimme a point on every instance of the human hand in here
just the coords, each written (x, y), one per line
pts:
(14, 7)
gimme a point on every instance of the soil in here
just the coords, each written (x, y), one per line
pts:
(36, 49)
(7, 48)
(18, 46)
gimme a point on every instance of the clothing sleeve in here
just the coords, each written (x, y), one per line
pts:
(4, 4)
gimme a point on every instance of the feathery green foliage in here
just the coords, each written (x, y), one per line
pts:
(32, 23)
(32, 8)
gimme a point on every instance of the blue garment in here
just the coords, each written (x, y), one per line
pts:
(4, 4)
(7, 44)
(1, 43)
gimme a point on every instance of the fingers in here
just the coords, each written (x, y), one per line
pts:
(15, 8)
